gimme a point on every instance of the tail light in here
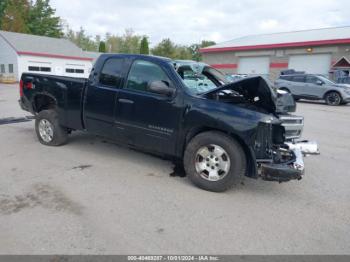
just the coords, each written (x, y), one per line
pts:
(22, 85)
(21, 88)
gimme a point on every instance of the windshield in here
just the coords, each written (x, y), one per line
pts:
(201, 78)
(326, 80)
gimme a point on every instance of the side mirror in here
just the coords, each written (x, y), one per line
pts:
(160, 87)
(319, 82)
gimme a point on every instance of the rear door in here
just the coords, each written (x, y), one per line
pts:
(297, 85)
(100, 100)
(149, 120)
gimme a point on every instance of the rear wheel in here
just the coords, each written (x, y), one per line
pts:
(48, 129)
(214, 161)
(333, 99)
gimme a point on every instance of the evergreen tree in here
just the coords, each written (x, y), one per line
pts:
(144, 49)
(15, 16)
(102, 47)
(42, 20)
(3, 4)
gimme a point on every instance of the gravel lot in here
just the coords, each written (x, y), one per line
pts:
(94, 197)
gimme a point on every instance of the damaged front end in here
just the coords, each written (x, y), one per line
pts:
(279, 159)
(279, 156)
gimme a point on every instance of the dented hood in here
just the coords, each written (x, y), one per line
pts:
(257, 91)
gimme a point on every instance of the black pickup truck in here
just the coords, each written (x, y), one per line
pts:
(184, 110)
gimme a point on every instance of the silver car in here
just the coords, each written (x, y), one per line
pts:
(314, 87)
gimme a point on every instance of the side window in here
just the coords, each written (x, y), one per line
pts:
(3, 69)
(311, 79)
(111, 74)
(287, 78)
(142, 73)
(10, 68)
(299, 79)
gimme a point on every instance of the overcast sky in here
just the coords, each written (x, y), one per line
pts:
(190, 21)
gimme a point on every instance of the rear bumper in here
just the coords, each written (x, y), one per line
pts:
(289, 163)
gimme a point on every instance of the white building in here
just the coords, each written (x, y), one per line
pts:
(21, 53)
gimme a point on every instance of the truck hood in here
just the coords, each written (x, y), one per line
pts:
(255, 91)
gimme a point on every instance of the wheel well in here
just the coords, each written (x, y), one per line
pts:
(332, 91)
(43, 102)
(251, 163)
(285, 89)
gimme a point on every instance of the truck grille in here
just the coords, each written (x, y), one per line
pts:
(293, 126)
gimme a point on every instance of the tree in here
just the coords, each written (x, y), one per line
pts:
(169, 49)
(81, 39)
(3, 5)
(102, 47)
(128, 43)
(196, 55)
(15, 16)
(165, 48)
(144, 49)
(42, 20)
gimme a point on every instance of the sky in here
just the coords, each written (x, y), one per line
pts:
(191, 21)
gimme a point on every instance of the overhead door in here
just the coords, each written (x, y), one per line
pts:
(254, 65)
(312, 64)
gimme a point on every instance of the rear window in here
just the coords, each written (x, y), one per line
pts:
(111, 74)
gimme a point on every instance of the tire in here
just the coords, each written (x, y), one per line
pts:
(233, 160)
(333, 98)
(48, 129)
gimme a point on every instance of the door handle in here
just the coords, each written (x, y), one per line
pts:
(125, 101)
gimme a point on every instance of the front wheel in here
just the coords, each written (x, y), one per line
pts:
(48, 129)
(333, 99)
(214, 161)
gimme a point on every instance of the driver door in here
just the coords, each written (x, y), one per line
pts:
(149, 120)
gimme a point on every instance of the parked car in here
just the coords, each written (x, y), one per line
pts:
(233, 78)
(314, 87)
(186, 111)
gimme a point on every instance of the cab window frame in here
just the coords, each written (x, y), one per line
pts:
(121, 74)
(131, 66)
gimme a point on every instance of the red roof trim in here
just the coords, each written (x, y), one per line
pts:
(225, 66)
(55, 56)
(273, 46)
(278, 65)
(339, 63)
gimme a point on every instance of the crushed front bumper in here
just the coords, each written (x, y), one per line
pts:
(288, 163)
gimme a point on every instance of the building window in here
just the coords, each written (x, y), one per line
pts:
(10, 68)
(34, 68)
(2, 68)
(72, 70)
(45, 69)
(39, 69)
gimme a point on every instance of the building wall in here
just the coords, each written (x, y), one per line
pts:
(58, 66)
(8, 56)
(228, 62)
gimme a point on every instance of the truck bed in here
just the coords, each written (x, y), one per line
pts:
(68, 93)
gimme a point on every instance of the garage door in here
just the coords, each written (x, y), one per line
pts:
(254, 65)
(312, 64)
